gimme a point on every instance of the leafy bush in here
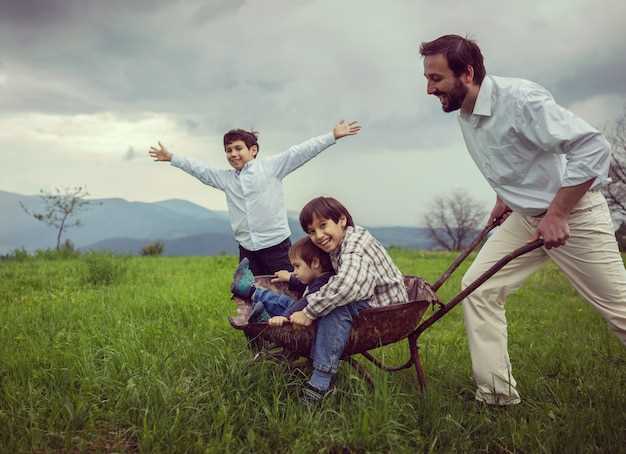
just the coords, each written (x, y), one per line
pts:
(154, 249)
(66, 251)
(19, 255)
(103, 268)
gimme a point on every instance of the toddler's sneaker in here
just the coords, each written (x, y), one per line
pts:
(243, 280)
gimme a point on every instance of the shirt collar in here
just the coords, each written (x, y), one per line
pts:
(247, 164)
(337, 252)
(484, 99)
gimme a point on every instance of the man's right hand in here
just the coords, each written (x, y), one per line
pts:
(500, 212)
(160, 154)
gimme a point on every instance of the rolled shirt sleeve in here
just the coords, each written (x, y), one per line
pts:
(552, 128)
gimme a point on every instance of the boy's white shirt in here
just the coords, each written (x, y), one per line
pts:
(254, 194)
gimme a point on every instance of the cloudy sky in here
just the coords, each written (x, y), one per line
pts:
(87, 86)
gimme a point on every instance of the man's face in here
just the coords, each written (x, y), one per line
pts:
(442, 83)
(238, 154)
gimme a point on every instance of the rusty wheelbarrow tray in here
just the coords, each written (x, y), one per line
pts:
(376, 327)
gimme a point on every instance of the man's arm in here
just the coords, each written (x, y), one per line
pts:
(554, 129)
(284, 163)
(554, 228)
(550, 127)
(211, 177)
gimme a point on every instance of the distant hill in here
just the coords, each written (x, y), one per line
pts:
(205, 244)
(125, 227)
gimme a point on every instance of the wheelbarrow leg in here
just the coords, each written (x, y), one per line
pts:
(415, 356)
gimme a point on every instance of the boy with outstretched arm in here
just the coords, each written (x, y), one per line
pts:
(254, 191)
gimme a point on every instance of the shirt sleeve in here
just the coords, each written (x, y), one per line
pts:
(286, 162)
(354, 281)
(552, 128)
(213, 177)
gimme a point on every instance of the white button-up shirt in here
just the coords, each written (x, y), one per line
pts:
(254, 194)
(528, 147)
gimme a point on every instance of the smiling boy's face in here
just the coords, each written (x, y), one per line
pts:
(327, 234)
(238, 154)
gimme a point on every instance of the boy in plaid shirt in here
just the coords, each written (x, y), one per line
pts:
(366, 277)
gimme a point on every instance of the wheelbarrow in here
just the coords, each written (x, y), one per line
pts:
(374, 327)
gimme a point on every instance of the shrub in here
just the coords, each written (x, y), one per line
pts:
(102, 268)
(154, 249)
(19, 255)
(66, 251)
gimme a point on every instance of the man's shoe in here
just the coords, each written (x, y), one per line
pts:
(243, 280)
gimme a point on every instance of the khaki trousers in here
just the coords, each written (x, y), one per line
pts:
(591, 261)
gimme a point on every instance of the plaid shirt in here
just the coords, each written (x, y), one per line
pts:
(364, 272)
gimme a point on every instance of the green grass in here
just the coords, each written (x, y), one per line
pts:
(136, 354)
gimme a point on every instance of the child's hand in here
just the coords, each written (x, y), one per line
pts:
(343, 129)
(300, 318)
(160, 154)
(281, 276)
(278, 320)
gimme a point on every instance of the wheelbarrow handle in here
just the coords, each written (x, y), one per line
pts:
(445, 308)
(477, 242)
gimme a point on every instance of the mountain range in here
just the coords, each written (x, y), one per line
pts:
(124, 226)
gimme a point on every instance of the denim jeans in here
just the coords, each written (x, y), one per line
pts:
(275, 303)
(332, 335)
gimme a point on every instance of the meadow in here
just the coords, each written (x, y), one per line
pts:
(135, 354)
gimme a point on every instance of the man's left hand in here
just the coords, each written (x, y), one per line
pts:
(554, 230)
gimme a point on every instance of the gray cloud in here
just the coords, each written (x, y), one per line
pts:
(291, 69)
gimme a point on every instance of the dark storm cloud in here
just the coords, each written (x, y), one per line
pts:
(291, 66)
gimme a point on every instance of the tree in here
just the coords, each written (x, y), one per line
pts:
(453, 219)
(155, 248)
(615, 191)
(60, 207)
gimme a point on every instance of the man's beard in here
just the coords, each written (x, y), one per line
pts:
(455, 97)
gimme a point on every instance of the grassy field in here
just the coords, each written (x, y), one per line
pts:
(101, 354)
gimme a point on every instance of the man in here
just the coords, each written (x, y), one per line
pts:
(547, 167)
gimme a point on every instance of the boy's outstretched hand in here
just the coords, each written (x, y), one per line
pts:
(343, 129)
(160, 154)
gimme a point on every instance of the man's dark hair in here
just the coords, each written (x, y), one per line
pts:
(248, 137)
(307, 251)
(323, 208)
(460, 52)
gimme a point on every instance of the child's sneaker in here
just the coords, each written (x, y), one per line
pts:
(258, 313)
(243, 280)
(313, 396)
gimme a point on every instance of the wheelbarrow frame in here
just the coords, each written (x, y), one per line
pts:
(389, 324)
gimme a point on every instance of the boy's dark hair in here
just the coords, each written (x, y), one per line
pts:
(324, 208)
(248, 137)
(460, 52)
(307, 251)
